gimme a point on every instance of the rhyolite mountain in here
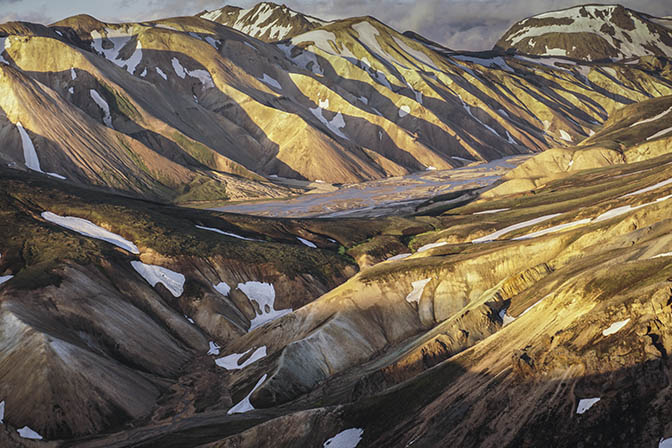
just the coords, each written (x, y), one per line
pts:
(591, 33)
(536, 311)
(265, 21)
(187, 110)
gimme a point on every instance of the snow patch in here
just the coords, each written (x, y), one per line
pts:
(263, 294)
(493, 236)
(232, 362)
(399, 257)
(173, 281)
(223, 288)
(214, 348)
(89, 229)
(266, 79)
(348, 438)
(427, 247)
(100, 101)
(307, 243)
(404, 110)
(28, 433)
(245, 405)
(615, 327)
(585, 404)
(487, 212)
(233, 235)
(5, 278)
(565, 136)
(161, 73)
(418, 288)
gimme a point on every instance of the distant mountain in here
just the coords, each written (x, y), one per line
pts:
(265, 21)
(591, 33)
(187, 110)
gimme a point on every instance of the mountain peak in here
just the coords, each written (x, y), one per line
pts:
(265, 21)
(589, 32)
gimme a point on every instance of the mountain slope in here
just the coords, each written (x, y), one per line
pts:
(590, 33)
(265, 21)
(507, 314)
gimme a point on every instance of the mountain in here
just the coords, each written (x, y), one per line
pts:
(265, 21)
(590, 33)
(635, 133)
(154, 325)
(529, 310)
(188, 111)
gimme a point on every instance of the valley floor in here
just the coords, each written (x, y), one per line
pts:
(391, 196)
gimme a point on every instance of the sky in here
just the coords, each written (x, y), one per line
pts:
(457, 24)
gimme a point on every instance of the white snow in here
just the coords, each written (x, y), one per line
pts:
(651, 188)
(630, 43)
(28, 433)
(190, 320)
(348, 438)
(626, 209)
(144, 73)
(179, 70)
(399, 257)
(87, 228)
(553, 229)
(666, 254)
(426, 247)
(161, 73)
(73, 73)
(555, 51)
(2, 411)
(29, 153)
(496, 210)
(616, 326)
(214, 348)
(245, 405)
(506, 319)
(493, 236)
(268, 80)
(565, 136)
(119, 40)
(223, 288)
(659, 134)
(212, 41)
(173, 281)
(649, 120)
(665, 443)
(585, 404)
(233, 235)
(71, 90)
(232, 362)
(404, 110)
(100, 101)
(336, 124)
(430, 168)
(307, 243)
(263, 294)
(418, 288)
(5, 278)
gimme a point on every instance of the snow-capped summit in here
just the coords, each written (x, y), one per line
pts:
(266, 21)
(590, 32)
